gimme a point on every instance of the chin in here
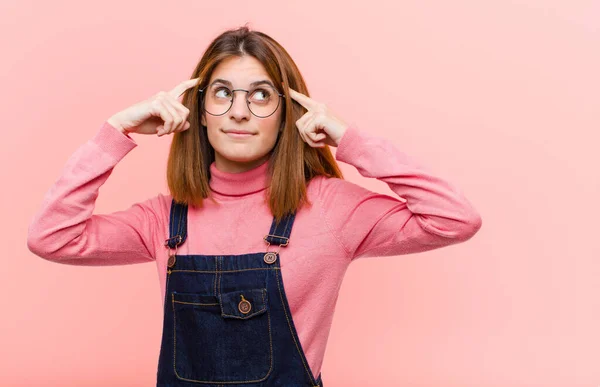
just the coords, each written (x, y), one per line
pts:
(242, 158)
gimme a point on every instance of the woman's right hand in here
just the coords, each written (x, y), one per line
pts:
(160, 114)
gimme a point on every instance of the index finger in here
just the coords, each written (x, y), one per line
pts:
(304, 100)
(183, 86)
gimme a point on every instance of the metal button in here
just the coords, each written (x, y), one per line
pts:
(244, 306)
(171, 261)
(270, 257)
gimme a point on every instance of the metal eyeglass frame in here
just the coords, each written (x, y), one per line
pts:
(247, 102)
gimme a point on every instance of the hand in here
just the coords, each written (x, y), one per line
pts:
(160, 114)
(319, 125)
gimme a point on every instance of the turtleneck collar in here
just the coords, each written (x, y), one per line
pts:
(237, 184)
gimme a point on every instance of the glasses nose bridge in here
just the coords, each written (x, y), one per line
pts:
(233, 95)
(247, 103)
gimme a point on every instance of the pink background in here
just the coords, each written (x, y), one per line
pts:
(499, 97)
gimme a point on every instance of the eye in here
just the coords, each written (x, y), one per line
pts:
(260, 95)
(222, 92)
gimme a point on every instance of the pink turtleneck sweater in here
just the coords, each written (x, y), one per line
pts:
(345, 222)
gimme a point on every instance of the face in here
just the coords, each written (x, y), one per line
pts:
(236, 153)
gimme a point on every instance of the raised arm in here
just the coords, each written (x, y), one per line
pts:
(428, 213)
(64, 230)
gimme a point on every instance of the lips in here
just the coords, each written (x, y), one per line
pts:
(238, 131)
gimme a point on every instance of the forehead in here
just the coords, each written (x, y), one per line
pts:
(240, 71)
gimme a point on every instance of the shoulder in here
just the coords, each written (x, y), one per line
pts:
(159, 205)
(327, 188)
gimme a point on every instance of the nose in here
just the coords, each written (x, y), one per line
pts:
(239, 110)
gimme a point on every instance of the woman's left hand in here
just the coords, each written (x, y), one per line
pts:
(318, 126)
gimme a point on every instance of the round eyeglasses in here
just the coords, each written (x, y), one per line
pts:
(262, 100)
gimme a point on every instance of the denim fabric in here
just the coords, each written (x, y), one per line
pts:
(227, 321)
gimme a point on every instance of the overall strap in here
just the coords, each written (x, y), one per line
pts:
(280, 233)
(177, 224)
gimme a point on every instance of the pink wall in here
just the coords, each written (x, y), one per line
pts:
(499, 97)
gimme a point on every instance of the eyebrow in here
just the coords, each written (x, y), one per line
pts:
(261, 82)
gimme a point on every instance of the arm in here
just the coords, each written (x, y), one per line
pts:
(433, 213)
(64, 229)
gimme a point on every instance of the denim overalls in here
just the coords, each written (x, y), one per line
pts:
(227, 321)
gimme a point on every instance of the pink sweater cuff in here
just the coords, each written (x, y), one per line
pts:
(114, 142)
(349, 147)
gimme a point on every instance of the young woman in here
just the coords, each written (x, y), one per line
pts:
(250, 277)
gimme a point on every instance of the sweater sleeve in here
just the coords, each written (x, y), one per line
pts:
(428, 213)
(64, 229)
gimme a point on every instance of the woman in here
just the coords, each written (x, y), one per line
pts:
(249, 278)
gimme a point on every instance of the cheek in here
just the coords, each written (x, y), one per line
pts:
(211, 133)
(273, 125)
(271, 133)
(214, 139)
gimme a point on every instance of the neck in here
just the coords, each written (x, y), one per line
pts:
(235, 184)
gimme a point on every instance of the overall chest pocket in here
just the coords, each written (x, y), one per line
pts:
(226, 339)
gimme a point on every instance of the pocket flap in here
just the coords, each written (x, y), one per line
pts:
(254, 301)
